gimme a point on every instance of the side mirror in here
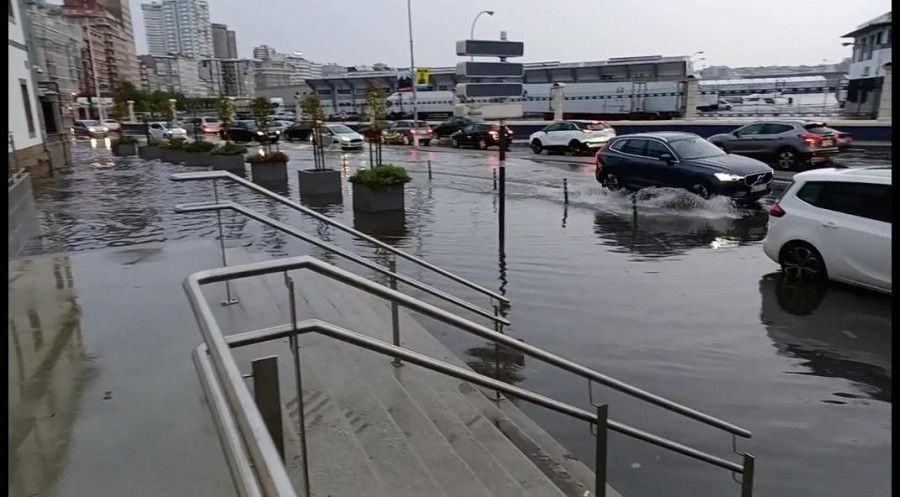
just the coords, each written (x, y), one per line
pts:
(667, 158)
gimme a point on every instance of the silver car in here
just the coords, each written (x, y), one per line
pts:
(338, 134)
(788, 143)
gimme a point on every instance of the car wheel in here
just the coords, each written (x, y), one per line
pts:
(482, 144)
(427, 143)
(455, 143)
(611, 182)
(575, 148)
(786, 159)
(536, 146)
(405, 140)
(701, 190)
(801, 261)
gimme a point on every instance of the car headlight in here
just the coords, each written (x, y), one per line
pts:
(277, 132)
(345, 139)
(728, 177)
(260, 133)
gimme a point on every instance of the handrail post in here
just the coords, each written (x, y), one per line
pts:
(747, 478)
(267, 394)
(395, 310)
(294, 342)
(228, 299)
(498, 327)
(600, 463)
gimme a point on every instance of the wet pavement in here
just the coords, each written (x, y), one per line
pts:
(664, 290)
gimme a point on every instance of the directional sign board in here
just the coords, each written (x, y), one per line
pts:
(490, 48)
(490, 69)
(488, 90)
(512, 110)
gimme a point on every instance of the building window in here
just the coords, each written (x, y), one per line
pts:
(27, 101)
(12, 17)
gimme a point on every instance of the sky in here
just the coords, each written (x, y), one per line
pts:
(363, 32)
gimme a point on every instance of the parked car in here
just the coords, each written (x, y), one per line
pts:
(789, 143)
(843, 139)
(363, 128)
(835, 224)
(481, 136)
(204, 124)
(90, 128)
(404, 131)
(680, 160)
(450, 126)
(338, 134)
(249, 131)
(279, 125)
(112, 125)
(161, 130)
(574, 137)
(299, 131)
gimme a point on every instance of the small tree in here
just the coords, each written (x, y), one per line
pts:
(193, 106)
(261, 108)
(226, 116)
(312, 107)
(375, 101)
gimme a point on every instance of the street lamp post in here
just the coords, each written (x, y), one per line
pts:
(691, 59)
(412, 69)
(472, 31)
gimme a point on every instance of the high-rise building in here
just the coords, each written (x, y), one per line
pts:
(56, 50)
(224, 42)
(263, 52)
(121, 10)
(112, 20)
(173, 73)
(178, 27)
(284, 70)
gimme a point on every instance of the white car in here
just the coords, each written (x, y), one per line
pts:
(835, 224)
(164, 131)
(574, 137)
(338, 134)
(112, 125)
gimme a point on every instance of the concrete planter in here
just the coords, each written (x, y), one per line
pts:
(366, 199)
(231, 163)
(269, 171)
(198, 159)
(149, 152)
(126, 150)
(321, 182)
(174, 156)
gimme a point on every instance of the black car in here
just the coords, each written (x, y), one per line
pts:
(481, 136)
(249, 131)
(450, 126)
(680, 160)
(299, 131)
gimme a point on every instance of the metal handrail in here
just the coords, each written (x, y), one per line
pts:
(285, 228)
(214, 175)
(194, 281)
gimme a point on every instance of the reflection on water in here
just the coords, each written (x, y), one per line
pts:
(838, 332)
(388, 226)
(500, 363)
(47, 372)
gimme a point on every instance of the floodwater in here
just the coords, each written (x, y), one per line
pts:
(664, 290)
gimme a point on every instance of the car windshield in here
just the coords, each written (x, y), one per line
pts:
(91, 123)
(593, 126)
(341, 129)
(111, 121)
(211, 120)
(696, 148)
(818, 128)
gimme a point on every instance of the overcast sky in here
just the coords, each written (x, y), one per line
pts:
(363, 32)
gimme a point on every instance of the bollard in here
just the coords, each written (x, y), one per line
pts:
(429, 168)
(566, 190)
(494, 174)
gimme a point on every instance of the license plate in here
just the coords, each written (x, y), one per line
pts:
(757, 188)
(827, 143)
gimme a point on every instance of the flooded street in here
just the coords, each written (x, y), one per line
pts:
(664, 290)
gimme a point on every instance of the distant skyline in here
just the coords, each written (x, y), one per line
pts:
(364, 32)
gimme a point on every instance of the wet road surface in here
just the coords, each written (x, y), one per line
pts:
(673, 295)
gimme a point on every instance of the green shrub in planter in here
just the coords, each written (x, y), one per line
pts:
(379, 188)
(199, 153)
(125, 146)
(229, 157)
(269, 167)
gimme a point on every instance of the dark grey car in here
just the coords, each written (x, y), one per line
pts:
(787, 143)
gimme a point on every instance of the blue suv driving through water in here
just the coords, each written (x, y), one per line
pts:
(680, 160)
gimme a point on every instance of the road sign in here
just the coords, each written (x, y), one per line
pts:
(490, 48)
(488, 90)
(490, 69)
(512, 110)
(423, 76)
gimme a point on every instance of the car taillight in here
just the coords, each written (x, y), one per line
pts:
(492, 133)
(776, 211)
(412, 131)
(430, 131)
(812, 139)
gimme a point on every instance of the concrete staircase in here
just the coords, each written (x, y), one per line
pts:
(379, 430)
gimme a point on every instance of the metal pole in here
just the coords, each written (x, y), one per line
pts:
(412, 69)
(502, 200)
(472, 31)
(395, 311)
(294, 342)
(228, 299)
(600, 463)
(267, 394)
(747, 479)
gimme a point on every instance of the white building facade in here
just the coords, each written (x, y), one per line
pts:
(871, 52)
(24, 123)
(178, 27)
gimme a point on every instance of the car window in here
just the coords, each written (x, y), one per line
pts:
(751, 129)
(635, 147)
(569, 127)
(775, 129)
(819, 129)
(870, 201)
(341, 129)
(155, 126)
(695, 148)
(468, 128)
(618, 145)
(655, 149)
(553, 127)
(769, 100)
